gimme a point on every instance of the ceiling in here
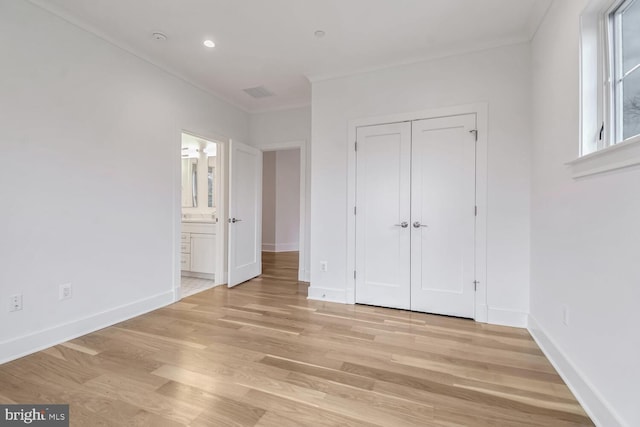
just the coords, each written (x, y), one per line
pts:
(271, 43)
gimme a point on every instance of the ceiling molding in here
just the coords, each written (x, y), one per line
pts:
(47, 7)
(244, 63)
(445, 53)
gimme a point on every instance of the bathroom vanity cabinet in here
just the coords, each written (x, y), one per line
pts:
(198, 249)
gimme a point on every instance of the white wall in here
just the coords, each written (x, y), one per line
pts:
(89, 177)
(281, 200)
(500, 77)
(268, 200)
(585, 240)
(274, 128)
(287, 200)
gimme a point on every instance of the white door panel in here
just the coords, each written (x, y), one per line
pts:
(443, 202)
(383, 191)
(421, 173)
(245, 213)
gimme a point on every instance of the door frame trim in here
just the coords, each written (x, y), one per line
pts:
(481, 111)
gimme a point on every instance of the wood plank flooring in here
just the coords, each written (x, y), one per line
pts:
(261, 354)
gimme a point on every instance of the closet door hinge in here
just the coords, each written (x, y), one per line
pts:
(475, 285)
(354, 210)
(355, 146)
(354, 274)
(475, 210)
(475, 133)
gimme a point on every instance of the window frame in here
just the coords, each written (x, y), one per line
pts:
(608, 36)
(609, 104)
(615, 62)
(601, 147)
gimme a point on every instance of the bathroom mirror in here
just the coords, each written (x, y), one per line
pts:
(198, 173)
(189, 182)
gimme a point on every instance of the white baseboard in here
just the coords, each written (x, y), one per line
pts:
(280, 247)
(501, 316)
(268, 247)
(327, 294)
(18, 347)
(287, 247)
(591, 400)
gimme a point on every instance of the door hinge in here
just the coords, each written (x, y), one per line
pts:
(475, 285)
(354, 274)
(475, 210)
(355, 146)
(475, 133)
(354, 210)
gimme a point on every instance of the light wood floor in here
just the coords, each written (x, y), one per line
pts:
(262, 354)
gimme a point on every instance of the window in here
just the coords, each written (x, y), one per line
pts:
(610, 87)
(624, 59)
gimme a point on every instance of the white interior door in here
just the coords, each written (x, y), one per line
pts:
(383, 215)
(245, 213)
(443, 170)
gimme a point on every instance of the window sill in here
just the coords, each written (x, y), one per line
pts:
(622, 155)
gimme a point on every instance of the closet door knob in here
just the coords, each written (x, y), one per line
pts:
(418, 225)
(403, 224)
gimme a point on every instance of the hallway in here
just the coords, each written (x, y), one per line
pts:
(280, 265)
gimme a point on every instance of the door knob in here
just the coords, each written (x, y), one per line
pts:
(234, 220)
(403, 224)
(418, 225)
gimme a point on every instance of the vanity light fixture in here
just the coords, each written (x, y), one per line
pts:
(209, 43)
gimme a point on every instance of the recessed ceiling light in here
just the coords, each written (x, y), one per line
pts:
(159, 36)
(209, 43)
(319, 34)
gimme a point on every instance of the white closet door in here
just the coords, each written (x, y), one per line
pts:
(383, 204)
(443, 215)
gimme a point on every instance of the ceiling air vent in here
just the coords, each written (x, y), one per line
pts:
(258, 92)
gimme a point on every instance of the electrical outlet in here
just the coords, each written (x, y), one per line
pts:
(324, 266)
(15, 302)
(565, 315)
(65, 291)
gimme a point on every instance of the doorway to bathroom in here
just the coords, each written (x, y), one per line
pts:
(201, 193)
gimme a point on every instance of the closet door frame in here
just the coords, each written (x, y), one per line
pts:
(481, 111)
